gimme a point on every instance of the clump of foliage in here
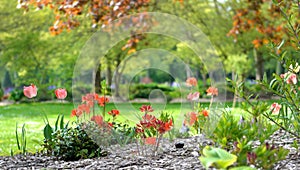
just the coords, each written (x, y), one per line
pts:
(16, 95)
(246, 138)
(144, 90)
(150, 129)
(72, 143)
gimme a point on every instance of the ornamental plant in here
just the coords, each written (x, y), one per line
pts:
(30, 91)
(60, 93)
(150, 129)
(246, 139)
(197, 118)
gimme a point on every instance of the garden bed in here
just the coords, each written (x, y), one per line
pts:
(169, 157)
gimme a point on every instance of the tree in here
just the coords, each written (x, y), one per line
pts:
(262, 19)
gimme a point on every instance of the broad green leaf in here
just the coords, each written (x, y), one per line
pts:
(217, 157)
(243, 168)
(48, 132)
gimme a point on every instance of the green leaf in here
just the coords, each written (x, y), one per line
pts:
(218, 157)
(48, 132)
(62, 122)
(56, 123)
(17, 137)
(243, 168)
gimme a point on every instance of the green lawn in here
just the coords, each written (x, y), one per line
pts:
(33, 116)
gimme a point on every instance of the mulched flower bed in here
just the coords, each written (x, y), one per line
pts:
(168, 157)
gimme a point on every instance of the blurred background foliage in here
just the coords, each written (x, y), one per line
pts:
(30, 54)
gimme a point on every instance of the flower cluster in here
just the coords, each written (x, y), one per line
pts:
(198, 116)
(89, 101)
(290, 78)
(191, 81)
(212, 91)
(152, 124)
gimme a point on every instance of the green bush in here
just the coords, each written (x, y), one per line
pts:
(71, 143)
(1, 92)
(16, 95)
(144, 90)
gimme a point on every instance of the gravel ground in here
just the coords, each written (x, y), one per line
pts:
(168, 157)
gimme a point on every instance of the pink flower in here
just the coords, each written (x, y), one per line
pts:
(193, 96)
(191, 81)
(275, 108)
(30, 91)
(292, 79)
(191, 118)
(61, 93)
(146, 108)
(212, 91)
(98, 120)
(150, 140)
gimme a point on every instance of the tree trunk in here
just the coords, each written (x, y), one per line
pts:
(259, 65)
(188, 71)
(117, 76)
(109, 75)
(98, 80)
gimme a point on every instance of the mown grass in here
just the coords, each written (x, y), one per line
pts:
(33, 114)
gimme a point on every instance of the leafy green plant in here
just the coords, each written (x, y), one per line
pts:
(217, 157)
(21, 141)
(72, 144)
(265, 156)
(68, 143)
(238, 136)
(16, 95)
(230, 129)
(59, 124)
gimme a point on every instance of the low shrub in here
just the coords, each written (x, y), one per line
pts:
(144, 90)
(72, 143)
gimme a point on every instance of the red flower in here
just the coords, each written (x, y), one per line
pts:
(146, 108)
(150, 141)
(114, 112)
(76, 112)
(191, 81)
(168, 125)
(110, 124)
(164, 126)
(102, 100)
(193, 96)
(205, 113)
(139, 128)
(61, 93)
(98, 120)
(30, 91)
(212, 91)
